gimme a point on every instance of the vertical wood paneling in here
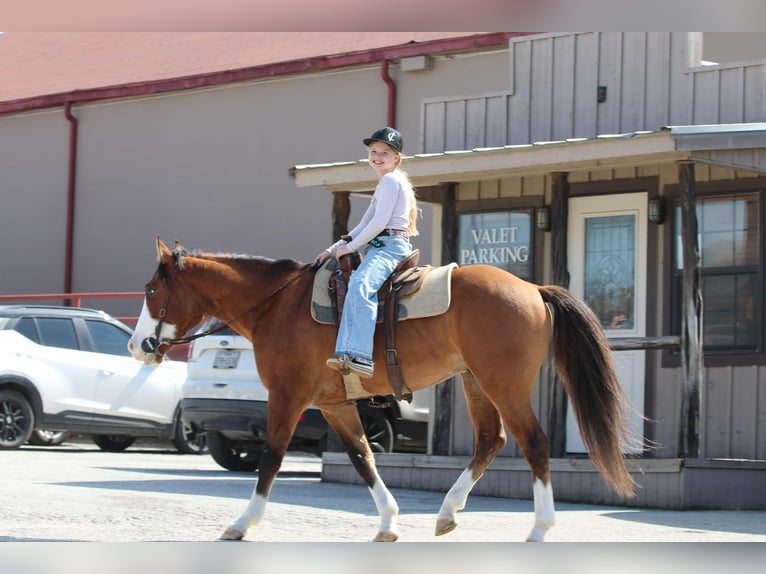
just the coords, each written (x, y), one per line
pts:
(497, 121)
(744, 399)
(542, 86)
(475, 123)
(610, 59)
(755, 93)
(717, 412)
(633, 89)
(731, 105)
(518, 104)
(586, 85)
(434, 138)
(563, 87)
(455, 125)
(658, 73)
(681, 91)
(706, 97)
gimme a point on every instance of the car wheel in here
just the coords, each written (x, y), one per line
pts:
(42, 437)
(231, 455)
(16, 419)
(113, 442)
(187, 441)
(377, 427)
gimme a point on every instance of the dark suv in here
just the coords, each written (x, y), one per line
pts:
(68, 369)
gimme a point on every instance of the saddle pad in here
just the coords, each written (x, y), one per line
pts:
(433, 298)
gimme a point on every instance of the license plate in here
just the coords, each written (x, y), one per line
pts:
(226, 359)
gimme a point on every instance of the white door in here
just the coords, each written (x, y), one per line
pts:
(607, 266)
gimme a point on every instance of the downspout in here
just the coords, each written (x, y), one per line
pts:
(72, 172)
(391, 94)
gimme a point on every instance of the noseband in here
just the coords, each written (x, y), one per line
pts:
(151, 344)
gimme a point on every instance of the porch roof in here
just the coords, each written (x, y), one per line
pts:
(742, 146)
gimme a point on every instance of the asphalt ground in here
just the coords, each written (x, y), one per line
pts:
(152, 509)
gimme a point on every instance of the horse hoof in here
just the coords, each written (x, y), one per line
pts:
(386, 537)
(232, 534)
(445, 526)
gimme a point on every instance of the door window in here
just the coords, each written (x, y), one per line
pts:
(609, 286)
(108, 338)
(56, 332)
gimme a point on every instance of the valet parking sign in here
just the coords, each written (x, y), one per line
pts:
(501, 239)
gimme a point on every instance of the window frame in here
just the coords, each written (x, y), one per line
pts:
(717, 357)
(512, 204)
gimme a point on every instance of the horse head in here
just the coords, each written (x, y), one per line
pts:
(170, 307)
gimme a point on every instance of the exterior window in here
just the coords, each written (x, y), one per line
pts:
(499, 238)
(730, 271)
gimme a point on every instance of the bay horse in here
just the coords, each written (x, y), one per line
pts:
(495, 334)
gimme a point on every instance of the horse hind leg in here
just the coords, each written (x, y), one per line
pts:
(523, 424)
(489, 439)
(345, 421)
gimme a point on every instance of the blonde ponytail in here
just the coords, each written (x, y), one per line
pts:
(414, 209)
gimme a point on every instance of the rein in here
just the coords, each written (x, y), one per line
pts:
(152, 344)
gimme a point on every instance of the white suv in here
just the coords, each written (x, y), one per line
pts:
(223, 396)
(68, 369)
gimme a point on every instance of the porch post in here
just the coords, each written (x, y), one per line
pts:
(692, 359)
(557, 406)
(443, 393)
(341, 208)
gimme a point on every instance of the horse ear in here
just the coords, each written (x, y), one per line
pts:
(162, 250)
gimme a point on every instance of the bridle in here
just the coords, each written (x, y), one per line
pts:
(152, 344)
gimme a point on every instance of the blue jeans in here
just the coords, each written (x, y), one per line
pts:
(360, 311)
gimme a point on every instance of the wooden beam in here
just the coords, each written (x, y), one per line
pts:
(557, 407)
(692, 370)
(341, 209)
(443, 394)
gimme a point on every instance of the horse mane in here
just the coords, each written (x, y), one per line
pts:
(243, 259)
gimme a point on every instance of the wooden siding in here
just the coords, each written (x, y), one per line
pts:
(554, 81)
(733, 424)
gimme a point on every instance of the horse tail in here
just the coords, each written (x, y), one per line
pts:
(583, 361)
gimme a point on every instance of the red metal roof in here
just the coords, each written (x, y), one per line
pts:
(42, 69)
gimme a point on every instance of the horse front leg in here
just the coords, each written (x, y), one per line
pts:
(489, 439)
(268, 467)
(281, 426)
(345, 421)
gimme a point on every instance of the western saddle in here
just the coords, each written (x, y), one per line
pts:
(406, 280)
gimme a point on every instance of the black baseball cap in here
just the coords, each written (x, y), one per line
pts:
(386, 135)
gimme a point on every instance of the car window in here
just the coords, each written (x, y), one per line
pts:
(26, 326)
(56, 332)
(107, 338)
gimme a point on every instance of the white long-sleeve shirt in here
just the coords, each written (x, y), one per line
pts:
(389, 209)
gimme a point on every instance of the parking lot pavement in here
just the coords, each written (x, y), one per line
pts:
(76, 492)
(150, 493)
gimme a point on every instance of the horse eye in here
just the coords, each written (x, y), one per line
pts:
(150, 291)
